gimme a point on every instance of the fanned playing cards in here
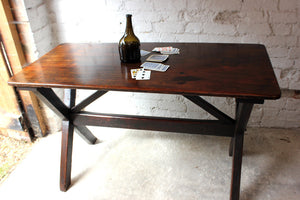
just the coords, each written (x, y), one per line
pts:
(140, 74)
(166, 50)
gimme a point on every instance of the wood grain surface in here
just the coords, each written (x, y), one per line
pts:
(214, 69)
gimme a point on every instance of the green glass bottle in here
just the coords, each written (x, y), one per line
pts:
(129, 44)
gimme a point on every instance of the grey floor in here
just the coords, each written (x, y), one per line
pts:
(128, 164)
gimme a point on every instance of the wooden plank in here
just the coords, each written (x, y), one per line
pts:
(10, 113)
(17, 61)
(208, 69)
(8, 99)
(191, 126)
(86, 134)
(23, 26)
(66, 154)
(10, 38)
(48, 96)
(88, 101)
(243, 114)
(210, 109)
(67, 142)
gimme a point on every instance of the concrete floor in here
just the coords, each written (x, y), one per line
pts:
(129, 164)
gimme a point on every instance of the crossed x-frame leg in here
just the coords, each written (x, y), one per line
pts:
(64, 109)
(73, 118)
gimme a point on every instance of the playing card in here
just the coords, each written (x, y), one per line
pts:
(172, 51)
(143, 75)
(158, 49)
(157, 58)
(134, 72)
(155, 66)
(166, 50)
(144, 53)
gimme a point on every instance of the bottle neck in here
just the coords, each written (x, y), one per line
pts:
(129, 29)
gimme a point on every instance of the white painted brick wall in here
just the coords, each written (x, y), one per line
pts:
(274, 23)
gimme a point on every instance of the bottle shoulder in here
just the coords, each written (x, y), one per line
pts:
(128, 38)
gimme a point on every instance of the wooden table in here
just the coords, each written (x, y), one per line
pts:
(241, 71)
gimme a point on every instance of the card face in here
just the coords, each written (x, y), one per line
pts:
(143, 75)
(166, 50)
(172, 51)
(155, 66)
(158, 49)
(134, 72)
(157, 58)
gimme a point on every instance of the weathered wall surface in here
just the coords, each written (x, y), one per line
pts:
(274, 23)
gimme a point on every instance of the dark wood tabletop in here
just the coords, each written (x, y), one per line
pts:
(214, 69)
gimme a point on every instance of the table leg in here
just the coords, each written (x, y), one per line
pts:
(67, 143)
(66, 154)
(231, 147)
(86, 134)
(242, 117)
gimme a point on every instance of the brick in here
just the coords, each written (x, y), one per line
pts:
(168, 27)
(194, 27)
(282, 29)
(143, 27)
(138, 5)
(217, 5)
(278, 52)
(149, 37)
(44, 32)
(38, 17)
(167, 5)
(261, 39)
(291, 124)
(195, 5)
(294, 52)
(167, 37)
(29, 4)
(173, 16)
(222, 29)
(297, 63)
(293, 104)
(219, 38)
(275, 104)
(283, 17)
(256, 116)
(290, 5)
(279, 41)
(271, 118)
(149, 16)
(228, 17)
(154, 96)
(256, 29)
(186, 37)
(296, 29)
(283, 83)
(277, 73)
(282, 63)
(174, 106)
(267, 5)
(199, 16)
(254, 17)
(115, 5)
(290, 116)
(295, 80)
(195, 111)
